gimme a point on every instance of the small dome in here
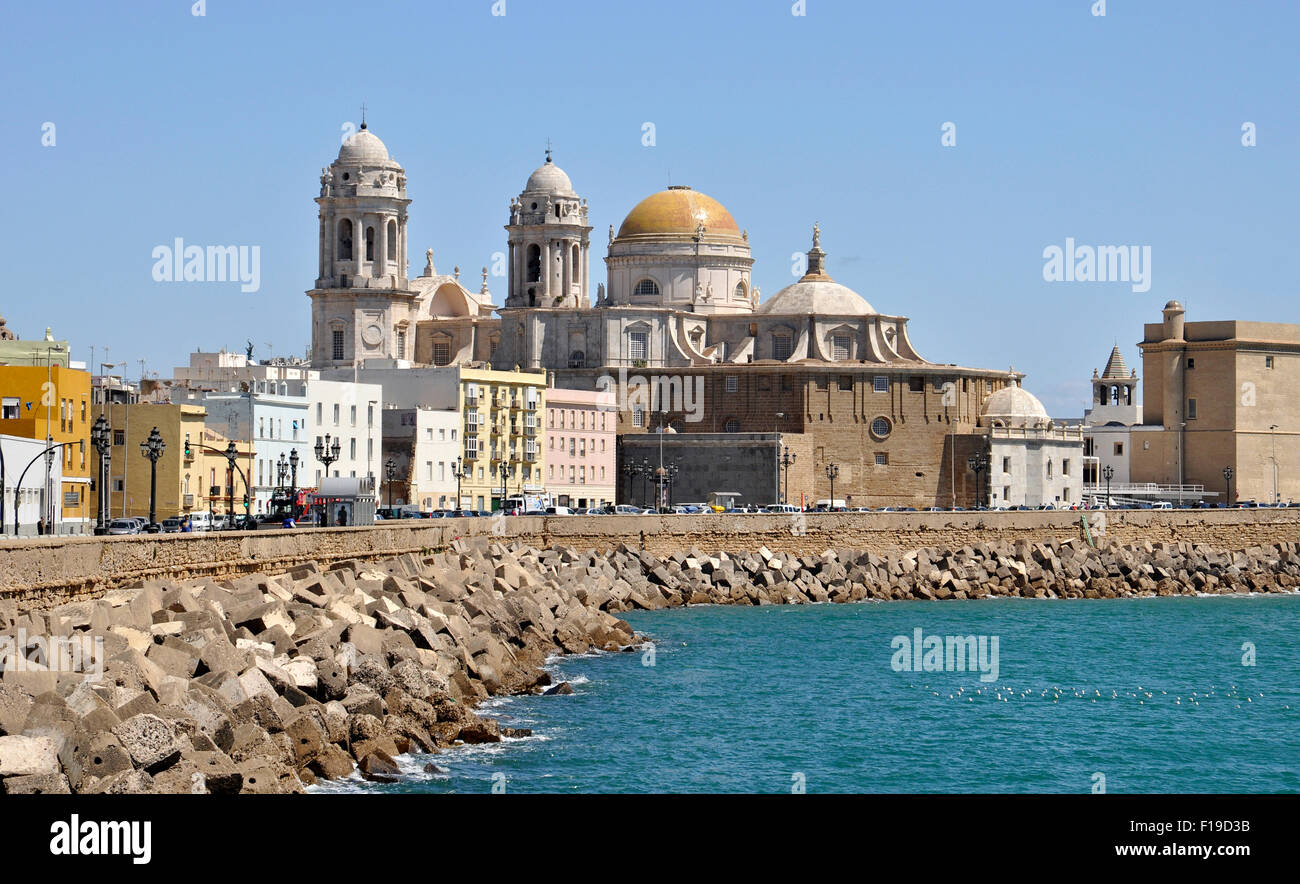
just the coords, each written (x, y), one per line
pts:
(1013, 406)
(679, 211)
(816, 292)
(363, 147)
(549, 178)
(1173, 305)
(820, 297)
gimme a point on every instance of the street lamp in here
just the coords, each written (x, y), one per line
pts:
(631, 470)
(673, 470)
(461, 470)
(153, 448)
(1227, 475)
(327, 454)
(390, 470)
(101, 439)
(787, 459)
(232, 455)
(776, 433)
(281, 471)
(661, 489)
(978, 463)
(505, 472)
(832, 470)
(1273, 435)
(1108, 473)
(293, 481)
(645, 480)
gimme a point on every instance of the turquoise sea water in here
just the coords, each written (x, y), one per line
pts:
(1150, 693)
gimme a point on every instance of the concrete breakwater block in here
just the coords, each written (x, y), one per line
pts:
(269, 682)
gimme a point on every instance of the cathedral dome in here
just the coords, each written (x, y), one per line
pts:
(816, 292)
(678, 211)
(1013, 406)
(820, 297)
(363, 147)
(549, 178)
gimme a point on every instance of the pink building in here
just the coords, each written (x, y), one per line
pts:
(580, 450)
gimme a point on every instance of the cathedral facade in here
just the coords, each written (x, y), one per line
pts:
(815, 367)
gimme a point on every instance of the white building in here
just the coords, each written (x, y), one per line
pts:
(1032, 461)
(1108, 426)
(17, 452)
(351, 413)
(424, 446)
(276, 423)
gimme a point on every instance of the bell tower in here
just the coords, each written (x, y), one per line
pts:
(362, 305)
(549, 243)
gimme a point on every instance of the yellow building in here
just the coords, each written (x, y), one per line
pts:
(181, 487)
(501, 426)
(49, 401)
(212, 480)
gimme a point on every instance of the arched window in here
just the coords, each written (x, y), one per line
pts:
(577, 265)
(731, 426)
(345, 240)
(577, 359)
(534, 270)
(370, 243)
(392, 240)
(740, 293)
(646, 288)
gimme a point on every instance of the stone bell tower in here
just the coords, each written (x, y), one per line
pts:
(362, 306)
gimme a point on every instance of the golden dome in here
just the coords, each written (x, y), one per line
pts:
(678, 211)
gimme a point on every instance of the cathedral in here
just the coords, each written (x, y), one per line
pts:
(814, 369)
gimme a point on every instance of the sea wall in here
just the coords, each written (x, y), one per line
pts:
(51, 570)
(270, 683)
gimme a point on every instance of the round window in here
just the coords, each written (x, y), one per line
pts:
(881, 427)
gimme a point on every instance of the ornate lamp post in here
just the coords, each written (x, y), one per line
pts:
(390, 470)
(153, 448)
(1108, 473)
(661, 489)
(100, 438)
(631, 470)
(281, 471)
(505, 473)
(232, 455)
(787, 460)
(978, 463)
(459, 469)
(1227, 475)
(673, 470)
(327, 454)
(646, 470)
(293, 481)
(832, 471)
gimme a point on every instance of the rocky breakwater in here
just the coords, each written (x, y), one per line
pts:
(1064, 569)
(267, 683)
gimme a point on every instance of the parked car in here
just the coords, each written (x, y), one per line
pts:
(124, 526)
(173, 525)
(782, 508)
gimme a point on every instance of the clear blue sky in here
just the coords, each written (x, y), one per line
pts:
(1117, 130)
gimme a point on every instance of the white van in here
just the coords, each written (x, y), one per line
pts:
(1162, 505)
(201, 521)
(781, 508)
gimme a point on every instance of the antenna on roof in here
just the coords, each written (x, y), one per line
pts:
(548, 150)
(363, 115)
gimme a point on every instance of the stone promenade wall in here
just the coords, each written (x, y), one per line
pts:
(51, 570)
